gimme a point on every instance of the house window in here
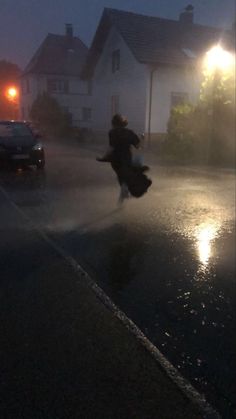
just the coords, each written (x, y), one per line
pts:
(58, 86)
(23, 87)
(115, 104)
(178, 98)
(27, 86)
(68, 114)
(115, 60)
(86, 114)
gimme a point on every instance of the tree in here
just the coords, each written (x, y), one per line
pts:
(217, 97)
(180, 132)
(206, 132)
(47, 113)
(218, 83)
(9, 76)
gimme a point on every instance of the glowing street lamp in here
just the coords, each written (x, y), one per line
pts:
(218, 58)
(12, 96)
(219, 67)
(12, 93)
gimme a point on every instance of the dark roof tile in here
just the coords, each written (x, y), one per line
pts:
(153, 39)
(58, 55)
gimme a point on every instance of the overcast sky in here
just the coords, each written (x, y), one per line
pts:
(25, 23)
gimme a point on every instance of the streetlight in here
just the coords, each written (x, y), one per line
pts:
(219, 59)
(12, 95)
(218, 65)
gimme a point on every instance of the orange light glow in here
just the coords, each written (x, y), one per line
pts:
(12, 93)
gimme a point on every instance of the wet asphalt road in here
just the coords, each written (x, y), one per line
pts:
(167, 260)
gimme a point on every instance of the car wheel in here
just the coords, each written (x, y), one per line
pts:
(40, 164)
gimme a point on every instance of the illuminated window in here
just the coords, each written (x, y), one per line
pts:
(178, 98)
(58, 86)
(115, 61)
(115, 104)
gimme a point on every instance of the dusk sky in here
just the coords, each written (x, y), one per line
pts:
(25, 23)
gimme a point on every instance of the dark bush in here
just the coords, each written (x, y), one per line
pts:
(49, 116)
(81, 134)
(180, 135)
(202, 134)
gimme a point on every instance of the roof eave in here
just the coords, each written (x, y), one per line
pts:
(172, 63)
(97, 45)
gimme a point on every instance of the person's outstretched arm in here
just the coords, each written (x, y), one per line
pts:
(134, 139)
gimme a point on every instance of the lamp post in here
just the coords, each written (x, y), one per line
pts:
(12, 94)
(217, 64)
(150, 106)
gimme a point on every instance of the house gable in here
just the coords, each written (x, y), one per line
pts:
(58, 54)
(55, 68)
(123, 90)
(155, 40)
(128, 65)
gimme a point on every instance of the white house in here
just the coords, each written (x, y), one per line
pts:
(55, 68)
(141, 66)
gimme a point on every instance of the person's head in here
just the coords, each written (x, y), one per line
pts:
(119, 121)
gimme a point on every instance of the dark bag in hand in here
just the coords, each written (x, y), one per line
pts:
(137, 182)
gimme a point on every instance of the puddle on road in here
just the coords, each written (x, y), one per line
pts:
(169, 264)
(178, 288)
(205, 234)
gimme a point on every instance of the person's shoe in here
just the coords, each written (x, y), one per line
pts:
(105, 159)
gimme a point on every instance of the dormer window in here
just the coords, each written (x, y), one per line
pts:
(115, 60)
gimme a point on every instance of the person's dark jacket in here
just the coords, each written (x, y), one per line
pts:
(121, 141)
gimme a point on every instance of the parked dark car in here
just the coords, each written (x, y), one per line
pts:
(33, 128)
(19, 144)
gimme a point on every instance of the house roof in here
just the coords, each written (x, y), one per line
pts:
(154, 40)
(58, 55)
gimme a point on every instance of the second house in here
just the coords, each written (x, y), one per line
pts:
(55, 68)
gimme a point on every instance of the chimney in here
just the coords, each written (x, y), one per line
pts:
(69, 30)
(187, 15)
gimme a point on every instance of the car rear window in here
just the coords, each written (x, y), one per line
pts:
(14, 130)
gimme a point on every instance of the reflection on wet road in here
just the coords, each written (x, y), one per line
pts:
(205, 235)
(167, 260)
